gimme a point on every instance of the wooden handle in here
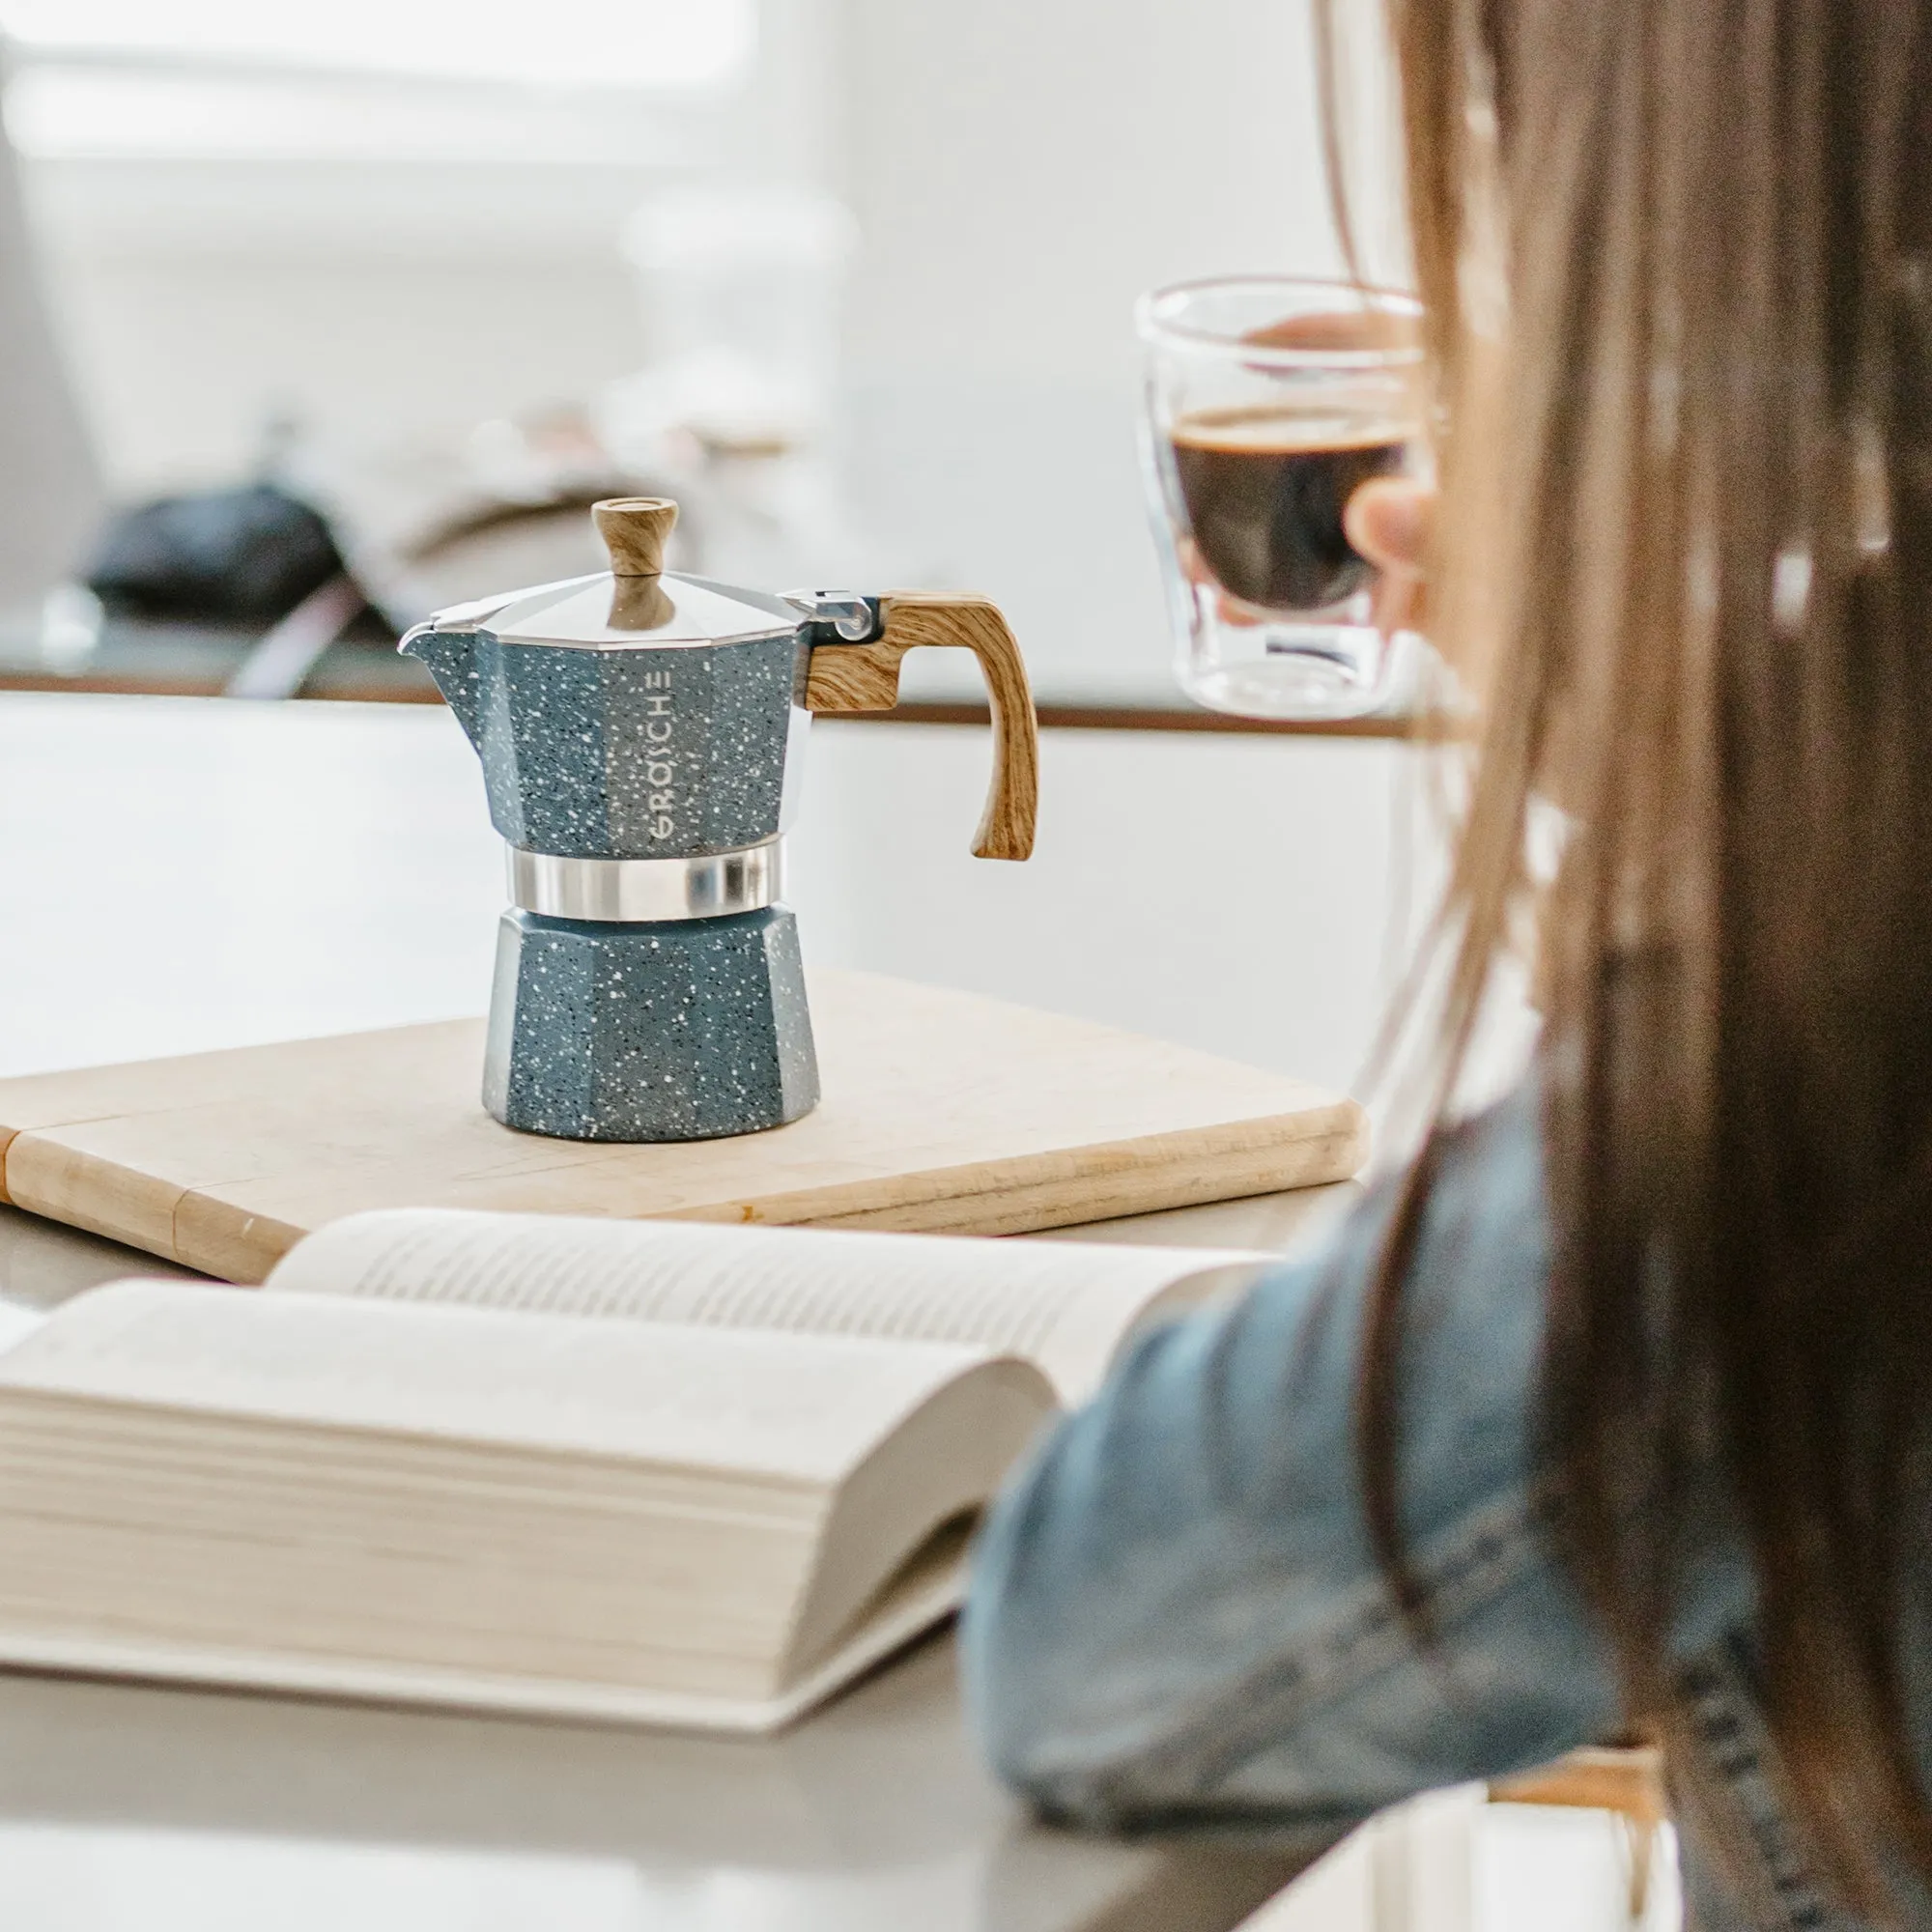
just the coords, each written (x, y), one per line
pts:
(865, 677)
(635, 531)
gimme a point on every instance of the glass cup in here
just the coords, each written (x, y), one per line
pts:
(1271, 400)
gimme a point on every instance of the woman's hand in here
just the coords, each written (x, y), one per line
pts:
(1391, 521)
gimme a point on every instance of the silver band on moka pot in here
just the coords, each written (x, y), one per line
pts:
(648, 890)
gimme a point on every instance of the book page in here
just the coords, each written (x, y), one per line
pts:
(807, 1410)
(1064, 1305)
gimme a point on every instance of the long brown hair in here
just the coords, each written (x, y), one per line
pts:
(1678, 260)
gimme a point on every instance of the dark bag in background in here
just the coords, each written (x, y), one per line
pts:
(245, 557)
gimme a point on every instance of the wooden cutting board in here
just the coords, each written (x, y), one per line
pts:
(941, 1111)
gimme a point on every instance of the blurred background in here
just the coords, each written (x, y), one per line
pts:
(858, 273)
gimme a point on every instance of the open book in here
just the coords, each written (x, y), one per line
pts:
(659, 1471)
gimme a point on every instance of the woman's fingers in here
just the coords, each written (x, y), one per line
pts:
(1400, 603)
(1389, 521)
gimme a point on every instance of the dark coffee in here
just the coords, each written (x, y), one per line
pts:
(1264, 492)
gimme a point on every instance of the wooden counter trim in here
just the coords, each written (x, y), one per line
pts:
(1052, 717)
(1149, 718)
(1626, 1781)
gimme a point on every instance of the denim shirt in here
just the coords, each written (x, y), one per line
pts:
(1176, 1619)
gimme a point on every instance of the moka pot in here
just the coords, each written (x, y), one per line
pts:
(642, 735)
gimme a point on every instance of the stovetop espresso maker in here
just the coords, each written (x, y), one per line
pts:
(642, 735)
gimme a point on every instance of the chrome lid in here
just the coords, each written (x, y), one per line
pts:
(575, 615)
(633, 606)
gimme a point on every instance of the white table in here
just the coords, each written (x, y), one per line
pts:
(179, 876)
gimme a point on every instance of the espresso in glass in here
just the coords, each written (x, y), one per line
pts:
(1271, 401)
(1264, 492)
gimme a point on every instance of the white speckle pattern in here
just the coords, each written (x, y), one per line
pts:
(665, 754)
(650, 1032)
(670, 1031)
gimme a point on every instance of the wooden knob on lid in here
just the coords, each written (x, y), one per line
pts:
(635, 531)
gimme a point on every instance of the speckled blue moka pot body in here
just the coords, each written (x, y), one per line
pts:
(672, 1031)
(625, 754)
(603, 738)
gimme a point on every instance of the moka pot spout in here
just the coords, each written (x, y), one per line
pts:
(450, 656)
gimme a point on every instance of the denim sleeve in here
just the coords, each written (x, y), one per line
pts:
(1175, 1615)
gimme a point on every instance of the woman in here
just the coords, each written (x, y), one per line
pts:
(1612, 1411)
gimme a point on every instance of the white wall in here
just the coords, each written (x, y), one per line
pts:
(1024, 168)
(1233, 892)
(1023, 171)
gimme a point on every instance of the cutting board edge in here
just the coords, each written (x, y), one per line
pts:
(45, 1176)
(229, 1242)
(42, 1175)
(1284, 1150)
(1035, 1208)
(1101, 1182)
(227, 1228)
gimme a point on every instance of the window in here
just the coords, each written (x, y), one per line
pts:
(560, 78)
(592, 43)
